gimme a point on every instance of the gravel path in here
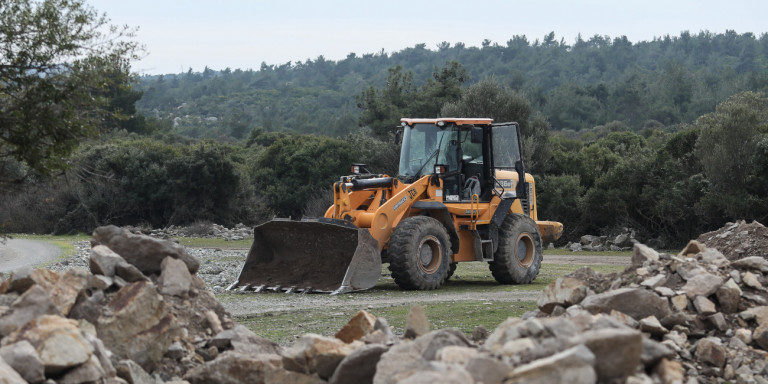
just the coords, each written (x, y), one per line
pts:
(19, 253)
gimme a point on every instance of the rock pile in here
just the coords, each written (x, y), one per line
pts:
(140, 314)
(738, 240)
(202, 229)
(694, 316)
(620, 242)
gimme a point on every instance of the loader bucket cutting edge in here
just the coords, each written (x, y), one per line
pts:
(311, 256)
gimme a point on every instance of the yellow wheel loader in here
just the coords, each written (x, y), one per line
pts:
(461, 194)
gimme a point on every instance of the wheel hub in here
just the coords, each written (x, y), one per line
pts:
(525, 249)
(430, 254)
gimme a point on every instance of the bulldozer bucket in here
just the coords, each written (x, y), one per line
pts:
(310, 256)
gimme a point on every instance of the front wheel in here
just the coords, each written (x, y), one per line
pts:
(518, 257)
(419, 253)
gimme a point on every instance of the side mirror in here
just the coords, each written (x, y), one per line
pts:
(476, 135)
(398, 136)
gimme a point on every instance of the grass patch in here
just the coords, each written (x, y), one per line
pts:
(285, 327)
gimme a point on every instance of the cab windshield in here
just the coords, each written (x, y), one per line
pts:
(424, 145)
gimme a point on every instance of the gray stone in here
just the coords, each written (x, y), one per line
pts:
(176, 351)
(704, 306)
(652, 325)
(242, 340)
(88, 372)
(487, 370)
(316, 354)
(59, 343)
(703, 284)
(641, 254)
(145, 252)
(133, 373)
(23, 358)
(407, 357)
(359, 366)
(137, 325)
(34, 302)
(617, 351)
(451, 375)
(416, 324)
(729, 296)
(750, 280)
(382, 325)
(753, 262)
(760, 336)
(711, 351)
(103, 261)
(235, 368)
(636, 302)
(8, 375)
(442, 338)
(129, 272)
(175, 279)
(564, 291)
(653, 351)
(574, 365)
(718, 321)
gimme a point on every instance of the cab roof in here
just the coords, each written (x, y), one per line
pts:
(455, 120)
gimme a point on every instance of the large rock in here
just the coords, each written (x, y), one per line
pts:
(564, 291)
(574, 365)
(8, 375)
(670, 371)
(25, 278)
(175, 279)
(103, 261)
(617, 351)
(137, 326)
(58, 341)
(711, 351)
(449, 374)
(641, 253)
(68, 289)
(234, 368)
(402, 360)
(129, 272)
(241, 339)
(702, 284)
(358, 367)
(358, 326)
(23, 358)
(35, 301)
(145, 252)
(636, 302)
(316, 354)
(753, 262)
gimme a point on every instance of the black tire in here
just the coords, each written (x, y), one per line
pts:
(518, 257)
(419, 253)
(451, 270)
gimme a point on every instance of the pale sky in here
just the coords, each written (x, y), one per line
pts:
(242, 34)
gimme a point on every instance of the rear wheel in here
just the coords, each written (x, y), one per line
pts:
(419, 253)
(518, 258)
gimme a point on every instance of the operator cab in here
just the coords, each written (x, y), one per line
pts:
(465, 152)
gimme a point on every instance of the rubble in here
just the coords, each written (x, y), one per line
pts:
(695, 317)
(622, 241)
